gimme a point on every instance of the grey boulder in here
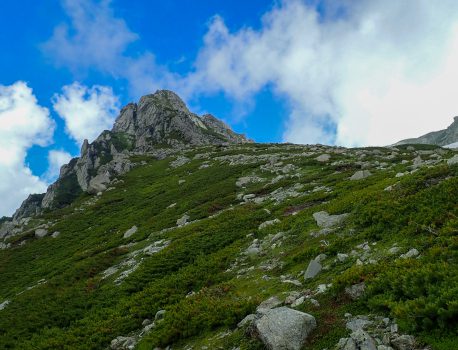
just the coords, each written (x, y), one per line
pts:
(40, 232)
(360, 175)
(313, 269)
(324, 220)
(130, 231)
(284, 328)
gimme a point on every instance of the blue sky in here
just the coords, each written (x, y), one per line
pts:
(307, 71)
(173, 30)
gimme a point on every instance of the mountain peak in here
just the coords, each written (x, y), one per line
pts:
(159, 124)
(163, 118)
(164, 99)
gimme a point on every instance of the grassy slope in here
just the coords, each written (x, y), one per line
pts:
(76, 308)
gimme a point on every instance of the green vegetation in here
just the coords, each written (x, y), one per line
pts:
(203, 279)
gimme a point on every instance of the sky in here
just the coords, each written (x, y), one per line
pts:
(340, 72)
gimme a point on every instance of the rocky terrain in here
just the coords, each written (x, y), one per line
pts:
(172, 232)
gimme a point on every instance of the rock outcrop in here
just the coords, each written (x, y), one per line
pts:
(160, 124)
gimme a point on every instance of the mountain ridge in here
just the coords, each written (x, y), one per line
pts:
(447, 137)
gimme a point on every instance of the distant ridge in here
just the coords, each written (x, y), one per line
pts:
(446, 138)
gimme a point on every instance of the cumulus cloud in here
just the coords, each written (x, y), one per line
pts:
(56, 158)
(361, 73)
(23, 123)
(86, 111)
(95, 38)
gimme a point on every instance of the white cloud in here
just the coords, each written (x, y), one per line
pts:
(94, 38)
(380, 71)
(56, 158)
(361, 72)
(23, 123)
(86, 111)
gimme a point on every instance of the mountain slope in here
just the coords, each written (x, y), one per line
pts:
(447, 137)
(181, 248)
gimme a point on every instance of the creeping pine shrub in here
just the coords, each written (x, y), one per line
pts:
(421, 296)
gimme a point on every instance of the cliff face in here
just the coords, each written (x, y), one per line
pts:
(160, 124)
(446, 137)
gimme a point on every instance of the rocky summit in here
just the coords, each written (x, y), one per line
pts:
(171, 231)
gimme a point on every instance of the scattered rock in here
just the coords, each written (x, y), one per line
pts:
(284, 328)
(268, 304)
(247, 180)
(40, 232)
(180, 161)
(123, 343)
(254, 248)
(298, 301)
(404, 342)
(356, 290)
(322, 288)
(357, 323)
(360, 175)
(130, 231)
(453, 160)
(4, 304)
(412, 253)
(323, 219)
(183, 220)
(363, 340)
(156, 247)
(323, 158)
(342, 257)
(313, 269)
(268, 223)
(55, 234)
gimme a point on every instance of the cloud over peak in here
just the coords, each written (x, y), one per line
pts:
(87, 111)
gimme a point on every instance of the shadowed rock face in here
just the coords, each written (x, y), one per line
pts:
(444, 137)
(159, 124)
